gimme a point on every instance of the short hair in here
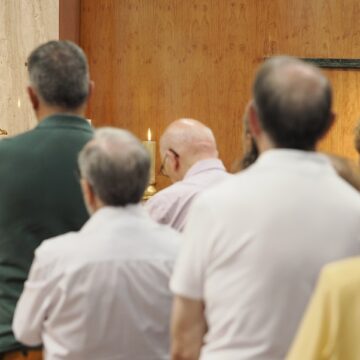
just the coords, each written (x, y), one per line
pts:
(293, 100)
(58, 70)
(116, 165)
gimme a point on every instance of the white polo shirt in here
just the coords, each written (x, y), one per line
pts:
(101, 293)
(253, 248)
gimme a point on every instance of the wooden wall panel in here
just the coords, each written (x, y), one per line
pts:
(155, 61)
(69, 20)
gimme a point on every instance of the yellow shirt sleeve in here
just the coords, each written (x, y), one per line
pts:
(313, 340)
(330, 329)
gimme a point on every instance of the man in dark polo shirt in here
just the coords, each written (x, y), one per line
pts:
(40, 194)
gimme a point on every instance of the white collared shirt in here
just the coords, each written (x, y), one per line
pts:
(253, 248)
(171, 205)
(101, 293)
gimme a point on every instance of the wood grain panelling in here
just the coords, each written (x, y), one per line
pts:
(69, 20)
(155, 61)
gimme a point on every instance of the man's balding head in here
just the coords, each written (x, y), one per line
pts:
(115, 167)
(293, 102)
(186, 141)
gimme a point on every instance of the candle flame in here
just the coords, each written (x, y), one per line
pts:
(149, 134)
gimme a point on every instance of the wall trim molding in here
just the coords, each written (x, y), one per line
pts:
(331, 63)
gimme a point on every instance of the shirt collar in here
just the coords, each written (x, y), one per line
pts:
(65, 120)
(107, 213)
(286, 156)
(205, 165)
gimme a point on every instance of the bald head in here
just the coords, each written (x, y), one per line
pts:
(116, 165)
(190, 138)
(185, 142)
(293, 102)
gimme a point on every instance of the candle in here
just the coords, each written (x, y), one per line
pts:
(151, 148)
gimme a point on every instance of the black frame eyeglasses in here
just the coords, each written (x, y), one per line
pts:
(162, 166)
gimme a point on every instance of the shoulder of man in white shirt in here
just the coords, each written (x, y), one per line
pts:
(64, 248)
(53, 248)
(220, 188)
(159, 205)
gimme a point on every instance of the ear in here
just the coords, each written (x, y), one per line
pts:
(331, 121)
(91, 89)
(254, 123)
(34, 98)
(175, 163)
(88, 195)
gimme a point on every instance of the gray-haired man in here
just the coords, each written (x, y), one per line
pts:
(102, 293)
(40, 196)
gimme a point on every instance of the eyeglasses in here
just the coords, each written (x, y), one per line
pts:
(162, 166)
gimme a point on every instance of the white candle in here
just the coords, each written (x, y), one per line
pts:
(151, 147)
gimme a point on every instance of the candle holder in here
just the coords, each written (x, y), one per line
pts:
(149, 192)
(151, 148)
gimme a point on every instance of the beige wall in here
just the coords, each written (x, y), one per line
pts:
(24, 24)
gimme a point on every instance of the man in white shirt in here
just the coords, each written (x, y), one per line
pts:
(190, 159)
(102, 292)
(254, 245)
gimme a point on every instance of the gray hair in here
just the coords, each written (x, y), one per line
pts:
(58, 70)
(116, 165)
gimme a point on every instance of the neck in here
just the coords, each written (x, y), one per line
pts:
(94, 205)
(46, 111)
(199, 157)
(264, 143)
(269, 145)
(194, 160)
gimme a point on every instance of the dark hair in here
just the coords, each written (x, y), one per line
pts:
(116, 165)
(293, 101)
(59, 72)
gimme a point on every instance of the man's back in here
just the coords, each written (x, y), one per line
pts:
(281, 221)
(40, 198)
(103, 292)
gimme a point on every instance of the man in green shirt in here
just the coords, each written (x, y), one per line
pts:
(40, 193)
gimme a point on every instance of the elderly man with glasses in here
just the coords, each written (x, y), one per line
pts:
(190, 159)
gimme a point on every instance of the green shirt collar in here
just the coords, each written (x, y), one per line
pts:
(65, 120)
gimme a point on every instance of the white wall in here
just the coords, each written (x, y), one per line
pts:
(24, 24)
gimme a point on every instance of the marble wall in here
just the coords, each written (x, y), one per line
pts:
(24, 24)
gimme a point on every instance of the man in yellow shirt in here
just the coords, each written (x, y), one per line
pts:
(331, 326)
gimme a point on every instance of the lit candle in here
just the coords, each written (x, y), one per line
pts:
(151, 147)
